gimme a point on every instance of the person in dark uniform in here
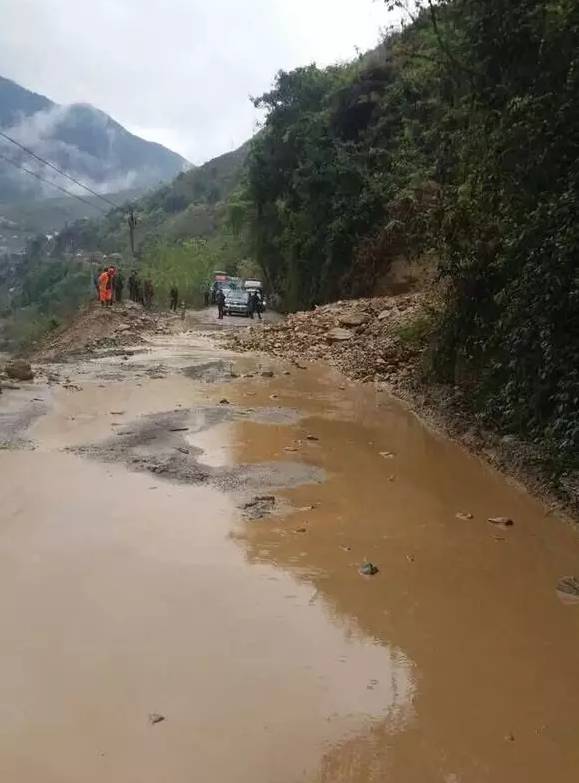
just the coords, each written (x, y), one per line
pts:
(133, 286)
(138, 291)
(119, 286)
(95, 279)
(255, 305)
(148, 293)
(174, 298)
(220, 302)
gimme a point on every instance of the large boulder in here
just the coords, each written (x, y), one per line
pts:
(339, 335)
(19, 370)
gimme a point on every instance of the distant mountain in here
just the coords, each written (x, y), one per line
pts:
(83, 141)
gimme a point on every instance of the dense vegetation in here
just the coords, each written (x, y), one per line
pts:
(458, 140)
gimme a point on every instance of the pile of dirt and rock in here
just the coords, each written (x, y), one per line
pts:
(377, 339)
(97, 329)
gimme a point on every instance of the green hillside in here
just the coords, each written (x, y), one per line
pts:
(194, 205)
(22, 220)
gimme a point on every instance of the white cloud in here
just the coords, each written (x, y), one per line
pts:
(178, 72)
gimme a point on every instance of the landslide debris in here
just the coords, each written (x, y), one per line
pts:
(367, 339)
(97, 329)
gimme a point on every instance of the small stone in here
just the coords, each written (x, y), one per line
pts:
(339, 335)
(368, 569)
(510, 738)
(154, 718)
(301, 530)
(267, 374)
(387, 454)
(260, 506)
(502, 522)
(568, 589)
(312, 437)
(353, 319)
(224, 401)
(464, 515)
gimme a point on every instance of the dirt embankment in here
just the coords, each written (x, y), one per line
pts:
(95, 329)
(383, 341)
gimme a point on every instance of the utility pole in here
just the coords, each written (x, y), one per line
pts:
(132, 221)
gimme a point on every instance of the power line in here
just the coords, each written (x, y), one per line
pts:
(63, 173)
(54, 185)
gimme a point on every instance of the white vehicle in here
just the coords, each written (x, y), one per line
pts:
(255, 285)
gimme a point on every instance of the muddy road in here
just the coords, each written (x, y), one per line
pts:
(182, 531)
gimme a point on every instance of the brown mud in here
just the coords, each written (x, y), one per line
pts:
(215, 583)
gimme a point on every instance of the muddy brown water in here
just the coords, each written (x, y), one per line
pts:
(125, 593)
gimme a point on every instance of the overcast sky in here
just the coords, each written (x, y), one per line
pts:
(177, 71)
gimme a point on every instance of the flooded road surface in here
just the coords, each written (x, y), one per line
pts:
(180, 541)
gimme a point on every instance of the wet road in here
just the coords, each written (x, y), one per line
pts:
(134, 581)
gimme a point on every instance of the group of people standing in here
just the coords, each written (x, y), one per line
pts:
(110, 285)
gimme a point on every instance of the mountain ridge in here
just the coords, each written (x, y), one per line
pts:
(79, 138)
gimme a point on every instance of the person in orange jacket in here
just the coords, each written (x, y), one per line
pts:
(105, 288)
